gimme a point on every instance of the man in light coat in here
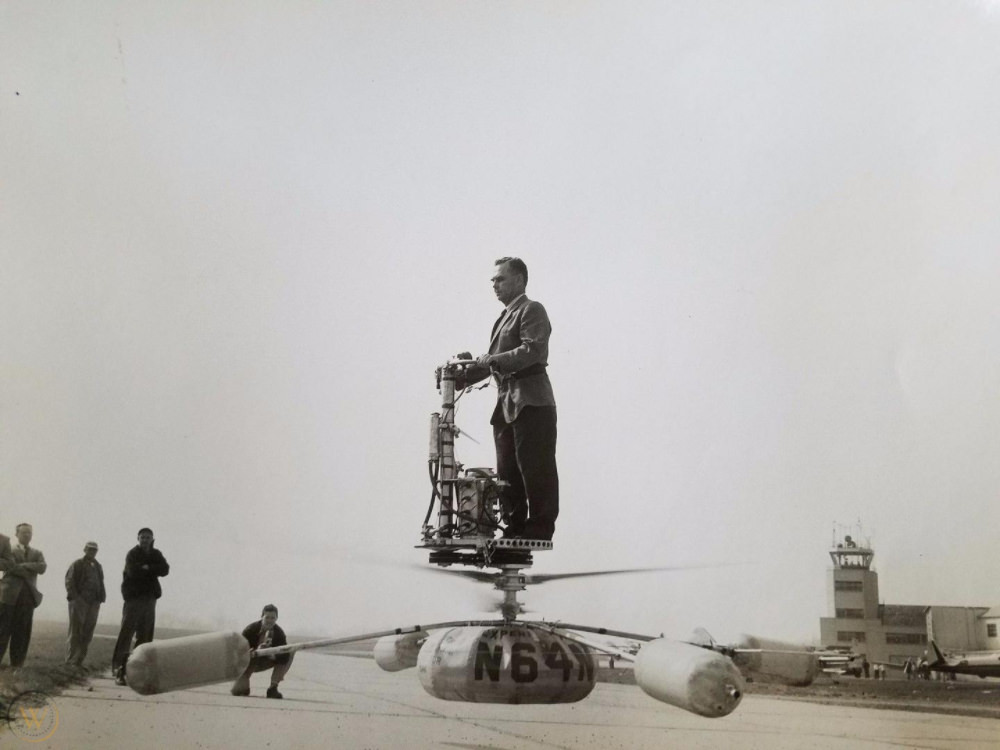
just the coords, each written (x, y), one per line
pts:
(19, 595)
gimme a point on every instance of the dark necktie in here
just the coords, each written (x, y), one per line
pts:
(497, 324)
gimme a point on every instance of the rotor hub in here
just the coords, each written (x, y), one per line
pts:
(510, 579)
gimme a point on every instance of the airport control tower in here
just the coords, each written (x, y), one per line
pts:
(852, 597)
(853, 589)
(887, 632)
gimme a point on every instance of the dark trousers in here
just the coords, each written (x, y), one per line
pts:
(15, 627)
(138, 619)
(82, 621)
(526, 459)
(262, 664)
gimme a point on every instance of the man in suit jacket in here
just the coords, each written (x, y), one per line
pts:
(524, 420)
(264, 633)
(6, 554)
(19, 595)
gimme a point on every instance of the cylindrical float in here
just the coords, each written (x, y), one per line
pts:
(776, 661)
(396, 652)
(696, 679)
(178, 663)
(504, 664)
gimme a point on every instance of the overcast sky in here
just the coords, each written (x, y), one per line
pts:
(237, 238)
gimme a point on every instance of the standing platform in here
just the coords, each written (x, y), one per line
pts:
(484, 552)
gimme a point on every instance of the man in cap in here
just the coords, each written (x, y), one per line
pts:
(264, 633)
(85, 593)
(19, 595)
(144, 566)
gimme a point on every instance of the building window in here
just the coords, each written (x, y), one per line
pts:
(916, 639)
(848, 586)
(991, 630)
(847, 636)
(851, 614)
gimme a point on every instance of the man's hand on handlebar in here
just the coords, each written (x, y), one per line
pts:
(484, 360)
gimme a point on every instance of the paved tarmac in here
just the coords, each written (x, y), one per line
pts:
(344, 702)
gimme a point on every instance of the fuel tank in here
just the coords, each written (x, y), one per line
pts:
(504, 664)
(396, 652)
(178, 663)
(786, 663)
(696, 679)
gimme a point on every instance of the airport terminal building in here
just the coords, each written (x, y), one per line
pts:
(894, 632)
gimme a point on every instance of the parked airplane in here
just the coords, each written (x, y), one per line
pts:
(978, 663)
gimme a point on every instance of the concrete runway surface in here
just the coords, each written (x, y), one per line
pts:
(345, 702)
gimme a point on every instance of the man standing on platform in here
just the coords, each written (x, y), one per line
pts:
(85, 594)
(524, 420)
(144, 566)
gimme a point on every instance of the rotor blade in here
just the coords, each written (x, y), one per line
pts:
(599, 631)
(546, 577)
(604, 648)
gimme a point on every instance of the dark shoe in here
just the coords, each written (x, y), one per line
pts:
(120, 677)
(240, 691)
(272, 692)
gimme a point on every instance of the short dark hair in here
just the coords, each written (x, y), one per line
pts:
(517, 265)
(145, 529)
(18, 528)
(269, 608)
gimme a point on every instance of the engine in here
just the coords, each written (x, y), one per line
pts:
(505, 664)
(478, 497)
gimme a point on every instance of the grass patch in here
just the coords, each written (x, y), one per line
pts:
(46, 670)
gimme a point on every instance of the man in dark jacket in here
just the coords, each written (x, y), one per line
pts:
(85, 594)
(144, 565)
(264, 633)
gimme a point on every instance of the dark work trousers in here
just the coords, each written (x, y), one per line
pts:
(15, 626)
(262, 664)
(138, 619)
(526, 458)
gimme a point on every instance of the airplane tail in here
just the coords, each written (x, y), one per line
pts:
(938, 656)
